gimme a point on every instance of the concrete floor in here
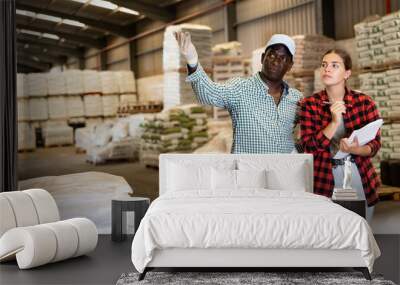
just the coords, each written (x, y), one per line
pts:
(64, 160)
(102, 266)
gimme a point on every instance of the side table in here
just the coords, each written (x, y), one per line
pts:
(121, 204)
(357, 206)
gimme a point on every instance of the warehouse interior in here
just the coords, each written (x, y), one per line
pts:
(99, 84)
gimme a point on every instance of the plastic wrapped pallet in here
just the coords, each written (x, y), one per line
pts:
(57, 133)
(26, 136)
(74, 106)
(256, 64)
(21, 88)
(36, 84)
(93, 105)
(23, 109)
(176, 90)
(57, 107)
(38, 109)
(93, 121)
(110, 104)
(123, 149)
(150, 88)
(109, 82)
(309, 51)
(127, 99)
(201, 38)
(74, 81)
(228, 49)
(126, 81)
(91, 81)
(305, 84)
(350, 46)
(56, 83)
(179, 129)
(383, 87)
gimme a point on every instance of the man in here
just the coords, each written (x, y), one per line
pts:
(262, 107)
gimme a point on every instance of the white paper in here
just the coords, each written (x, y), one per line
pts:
(364, 135)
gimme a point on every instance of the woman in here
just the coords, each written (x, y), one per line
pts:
(327, 119)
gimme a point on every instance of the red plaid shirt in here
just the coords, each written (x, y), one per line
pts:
(315, 116)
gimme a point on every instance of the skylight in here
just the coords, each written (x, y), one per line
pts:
(108, 5)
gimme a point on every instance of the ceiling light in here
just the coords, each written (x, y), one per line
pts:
(73, 23)
(51, 36)
(48, 18)
(103, 4)
(128, 11)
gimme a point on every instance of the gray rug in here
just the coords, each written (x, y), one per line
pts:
(242, 278)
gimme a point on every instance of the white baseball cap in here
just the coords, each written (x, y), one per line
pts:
(283, 40)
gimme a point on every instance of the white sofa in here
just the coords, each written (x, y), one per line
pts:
(31, 231)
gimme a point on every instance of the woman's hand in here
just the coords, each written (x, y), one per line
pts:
(337, 109)
(186, 47)
(354, 147)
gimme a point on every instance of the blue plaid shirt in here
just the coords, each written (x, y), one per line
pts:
(259, 125)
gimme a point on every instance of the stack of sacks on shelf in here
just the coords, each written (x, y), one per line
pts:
(57, 133)
(93, 105)
(22, 100)
(228, 49)
(127, 100)
(75, 108)
(110, 105)
(125, 81)
(176, 90)
(305, 84)
(384, 88)
(151, 88)
(390, 141)
(57, 107)
(26, 136)
(378, 41)
(74, 81)
(309, 51)
(179, 129)
(56, 83)
(36, 86)
(91, 81)
(38, 109)
(109, 84)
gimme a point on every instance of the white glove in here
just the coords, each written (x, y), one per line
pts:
(186, 47)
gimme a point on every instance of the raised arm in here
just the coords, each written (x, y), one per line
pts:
(207, 91)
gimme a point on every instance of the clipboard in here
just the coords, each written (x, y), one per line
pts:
(364, 136)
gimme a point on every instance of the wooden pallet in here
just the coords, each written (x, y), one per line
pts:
(124, 111)
(380, 67)
(389, 192)
(57, 145)
(26, 150)
(79, 150)
(220, 114)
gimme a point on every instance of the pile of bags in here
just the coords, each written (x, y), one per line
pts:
(113, 139)
(57, 133)
(26, 136)
(179, 129)
(384, 88)
(56, 83)
(378, 41)
(309, 51)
